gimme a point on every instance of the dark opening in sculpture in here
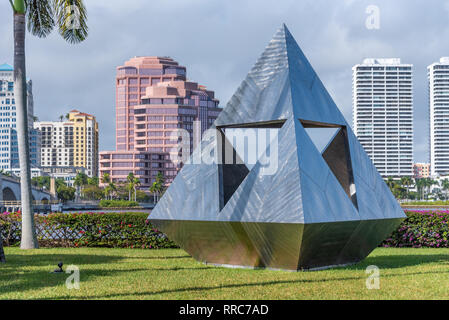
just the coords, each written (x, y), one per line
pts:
(338, 158)
(316, 209)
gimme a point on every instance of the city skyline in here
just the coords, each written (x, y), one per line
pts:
(198, 149)
(223, 51)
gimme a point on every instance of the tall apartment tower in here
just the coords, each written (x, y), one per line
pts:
(383, 114)
(71, 143)
(153, 98)
(9, 152)
(438, 75)
(85, 141)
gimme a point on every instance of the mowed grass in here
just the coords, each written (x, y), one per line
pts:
(405, 273)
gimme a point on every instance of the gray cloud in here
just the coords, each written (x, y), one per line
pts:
(218, 41)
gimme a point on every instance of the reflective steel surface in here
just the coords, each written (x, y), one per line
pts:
(316, 210)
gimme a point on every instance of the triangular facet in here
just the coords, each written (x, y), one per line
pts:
(321, 137)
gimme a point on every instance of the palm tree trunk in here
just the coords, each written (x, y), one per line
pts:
(2, 253)
(29, 240)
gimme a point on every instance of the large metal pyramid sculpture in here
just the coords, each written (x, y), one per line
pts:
(317, 209)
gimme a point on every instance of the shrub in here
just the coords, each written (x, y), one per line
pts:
(91, 192)
(66, 193)
(142, 196)
(118, 230)
(118, 204)
(427, 203)
(427, 228)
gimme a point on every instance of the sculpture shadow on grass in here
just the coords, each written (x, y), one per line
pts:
(361, 278)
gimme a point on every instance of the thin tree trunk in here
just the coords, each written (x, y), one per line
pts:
(29, 240)
(2, 253)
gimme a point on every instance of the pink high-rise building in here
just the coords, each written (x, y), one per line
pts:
(153, 98)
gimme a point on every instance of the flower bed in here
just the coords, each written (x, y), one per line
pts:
(118, 230)
(422, 228)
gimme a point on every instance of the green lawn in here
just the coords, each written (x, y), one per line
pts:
(172, 274)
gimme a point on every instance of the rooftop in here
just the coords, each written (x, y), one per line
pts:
(389, 61)
(6, 67)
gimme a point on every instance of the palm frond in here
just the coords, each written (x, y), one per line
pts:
(71, 18)
(39, 14)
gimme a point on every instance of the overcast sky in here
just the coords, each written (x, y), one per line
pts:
(219, 41)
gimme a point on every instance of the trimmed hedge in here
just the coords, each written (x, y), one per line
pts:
(422, 228)
(427, 228)
(426, 203)
(118, 204)
(118, 230)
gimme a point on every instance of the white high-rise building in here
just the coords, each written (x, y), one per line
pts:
(57, 143)
(9, 153)
(438, 74)
(383, 114)
(72, 143)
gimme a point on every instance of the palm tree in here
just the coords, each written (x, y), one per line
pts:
(106, 180)
(420, 187)
(445, 187)
(433, 183)
(426, 184)
(61, 118)
(406, 181)
(81, 180)
(41, 17)
(110, 189)
(2, 253)
(390, 183)
(133, 182)
(136, 183)
(129, 178)
(157, 187)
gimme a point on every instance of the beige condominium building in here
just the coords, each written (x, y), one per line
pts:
(70, 143)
